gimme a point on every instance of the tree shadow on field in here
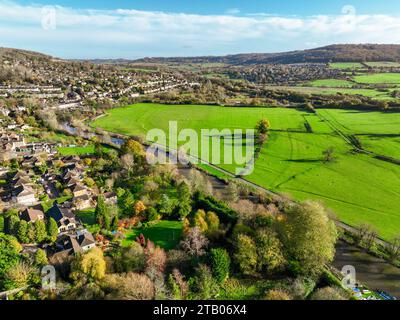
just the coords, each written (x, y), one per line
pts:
(305, 160)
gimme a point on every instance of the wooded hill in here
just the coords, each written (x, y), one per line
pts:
(332, 53)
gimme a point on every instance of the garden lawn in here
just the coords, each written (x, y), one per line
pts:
(78, 151)
(357, 187)
(87, 216)
(165, 234)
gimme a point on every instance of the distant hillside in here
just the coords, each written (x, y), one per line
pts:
(22, 55)
(22, 67)
(332, 53)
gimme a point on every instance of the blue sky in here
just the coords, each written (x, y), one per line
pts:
(138, 28)
(290, 7)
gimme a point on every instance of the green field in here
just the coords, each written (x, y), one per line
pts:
(217, 173)
(372, 93)
(378, 132)
(379, 78)
(357, 187)
(373, 85)
(165, 234)
(383, 64)
(78, 151)
(334, 83)
(346, 65)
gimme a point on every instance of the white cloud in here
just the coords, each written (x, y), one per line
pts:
(133, 33)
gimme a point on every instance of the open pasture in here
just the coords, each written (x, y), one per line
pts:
(334, 83)
(346, 65)
(378, 78)
(383, 64)
(357, 187)
(327, 90)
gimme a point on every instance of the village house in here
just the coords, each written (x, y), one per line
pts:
(26, 174)
(82, 197)
(3, 172)
(110, 198)
(79, 242)
(83, 202)
(24, 195)
(79, 190)
(13, 145)
(71, 182)
(9, 142)
(65, 219)
(32, 214)
(72, 174)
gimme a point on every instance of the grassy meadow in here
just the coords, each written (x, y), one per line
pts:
(346, 65)
(78, 150)
(312, 88)
(357, 187)
(334, 83)
(383, 64)
(378, 78)
(377, 86)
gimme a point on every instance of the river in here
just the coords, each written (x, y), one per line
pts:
(376, 273)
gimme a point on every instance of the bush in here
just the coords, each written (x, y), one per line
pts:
(18, 276)
(329, 279)
(131, 259)
(152, 214)
(295, 269)
(329, 293)
(269, 250)
(203, 285)
(129, 286)
(40, 257)
(220, 264)
(225, 214)
(277, 294)
(1, 224)
(246, 254)
(301, 288)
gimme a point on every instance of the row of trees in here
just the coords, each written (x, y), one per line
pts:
(37, 232)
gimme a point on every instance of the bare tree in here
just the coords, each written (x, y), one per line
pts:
(366, 235)
(394, 249)
(195, 242)
(127, 162)
(329, 154)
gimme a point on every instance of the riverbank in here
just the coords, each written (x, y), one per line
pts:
(374, 272)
